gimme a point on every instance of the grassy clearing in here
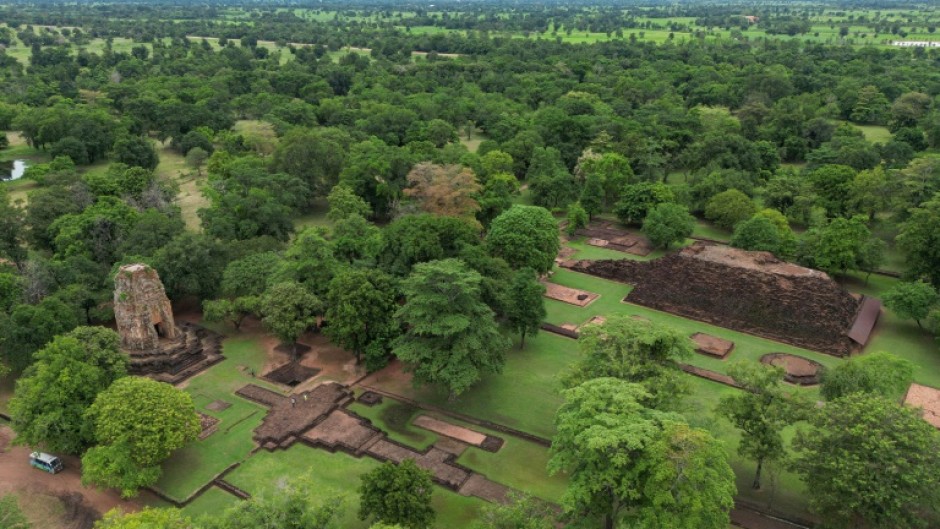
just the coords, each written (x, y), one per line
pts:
(524, 396)
(473, 144)
(394, 418)
(212, 501)
(338, 474)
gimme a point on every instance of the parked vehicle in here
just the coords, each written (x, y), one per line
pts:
(47, 462)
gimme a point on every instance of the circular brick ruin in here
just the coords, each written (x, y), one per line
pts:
(799, 370)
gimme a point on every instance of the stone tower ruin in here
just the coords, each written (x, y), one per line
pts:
(141, 308)
(157, 346)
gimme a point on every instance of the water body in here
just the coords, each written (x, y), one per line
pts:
(12, 170)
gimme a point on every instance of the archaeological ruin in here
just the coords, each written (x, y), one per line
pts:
(158, 347)
(752, 292)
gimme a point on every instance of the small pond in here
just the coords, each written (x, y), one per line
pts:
(12, 169)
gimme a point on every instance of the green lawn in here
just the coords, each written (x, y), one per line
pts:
(212, 501)
(519, 463)
(199, 462)
(338, 474)
(524, 396)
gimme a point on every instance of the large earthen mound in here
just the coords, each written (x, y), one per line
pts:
(753, 292)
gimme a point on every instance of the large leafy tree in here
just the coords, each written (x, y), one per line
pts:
(877, 373)
(361, 306)
(729, 208)
(191, 265)
(637, 351)
(315, 156)
(309, 261)
(27, 328)
(525, 237)
(451, 337)
(298, 504)
(635, 466)
(138, 423)
(420, 238)
(870, 462)
(912, 300)
(48, 407)
(288, 310)
(344, 203)
(919, 240)
(667, 224)
(636, 200)
(521, 512)
(444, 189)
(525, 307)
(837, 247)
(760, 411)
(397, 495)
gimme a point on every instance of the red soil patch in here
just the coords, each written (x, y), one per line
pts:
(581, 298)
(752, 292)
(707, 344)
(926, 398)
(16, 475)
(596, 320)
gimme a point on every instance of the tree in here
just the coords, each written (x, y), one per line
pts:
(361, 306)
(668, 223)
(870, 462)
(148, 518)
(636, 200)
(397, 495)
(760, 233)
(869, 192)
(288, 310)
(356, 239)
(636, 351)
(293, 507)
(27, 328)
(919, 240)
(614, 172)
(243, 215)
(48, 407)
(525, 310)
(833, 183)
(250, 275)
(309, 261)
(592, 194)
(414, 239)
(136, 151)
(549, 181)
(837, 247)
(344, 204)
(233, 310)
(451, 337)
(196, 158)
(444, 189)
(760, 411)
(72, 148)
(577, 218)
(317, 157)
(637, 466)
(138, 423)
(520, 512)
(496, 196)
(878, 373)
(190, 265)
(729, 208)
(911, 300)
(526, 237)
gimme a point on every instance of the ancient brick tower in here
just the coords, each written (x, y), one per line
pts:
(141, 308)
(157, 346)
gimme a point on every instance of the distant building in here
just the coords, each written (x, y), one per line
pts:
(751, 19)
(916, 43)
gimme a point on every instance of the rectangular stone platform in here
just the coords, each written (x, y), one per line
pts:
(713, 346)
(580, 298)
(450, 430)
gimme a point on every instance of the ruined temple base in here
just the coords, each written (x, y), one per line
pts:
(174, 361)
(606, 234)
(581, 298)
(709, 345)
(926, 398)
(799, 370)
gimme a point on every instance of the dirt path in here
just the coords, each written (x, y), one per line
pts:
(16, 475)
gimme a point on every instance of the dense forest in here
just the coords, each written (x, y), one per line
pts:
(303, 163)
